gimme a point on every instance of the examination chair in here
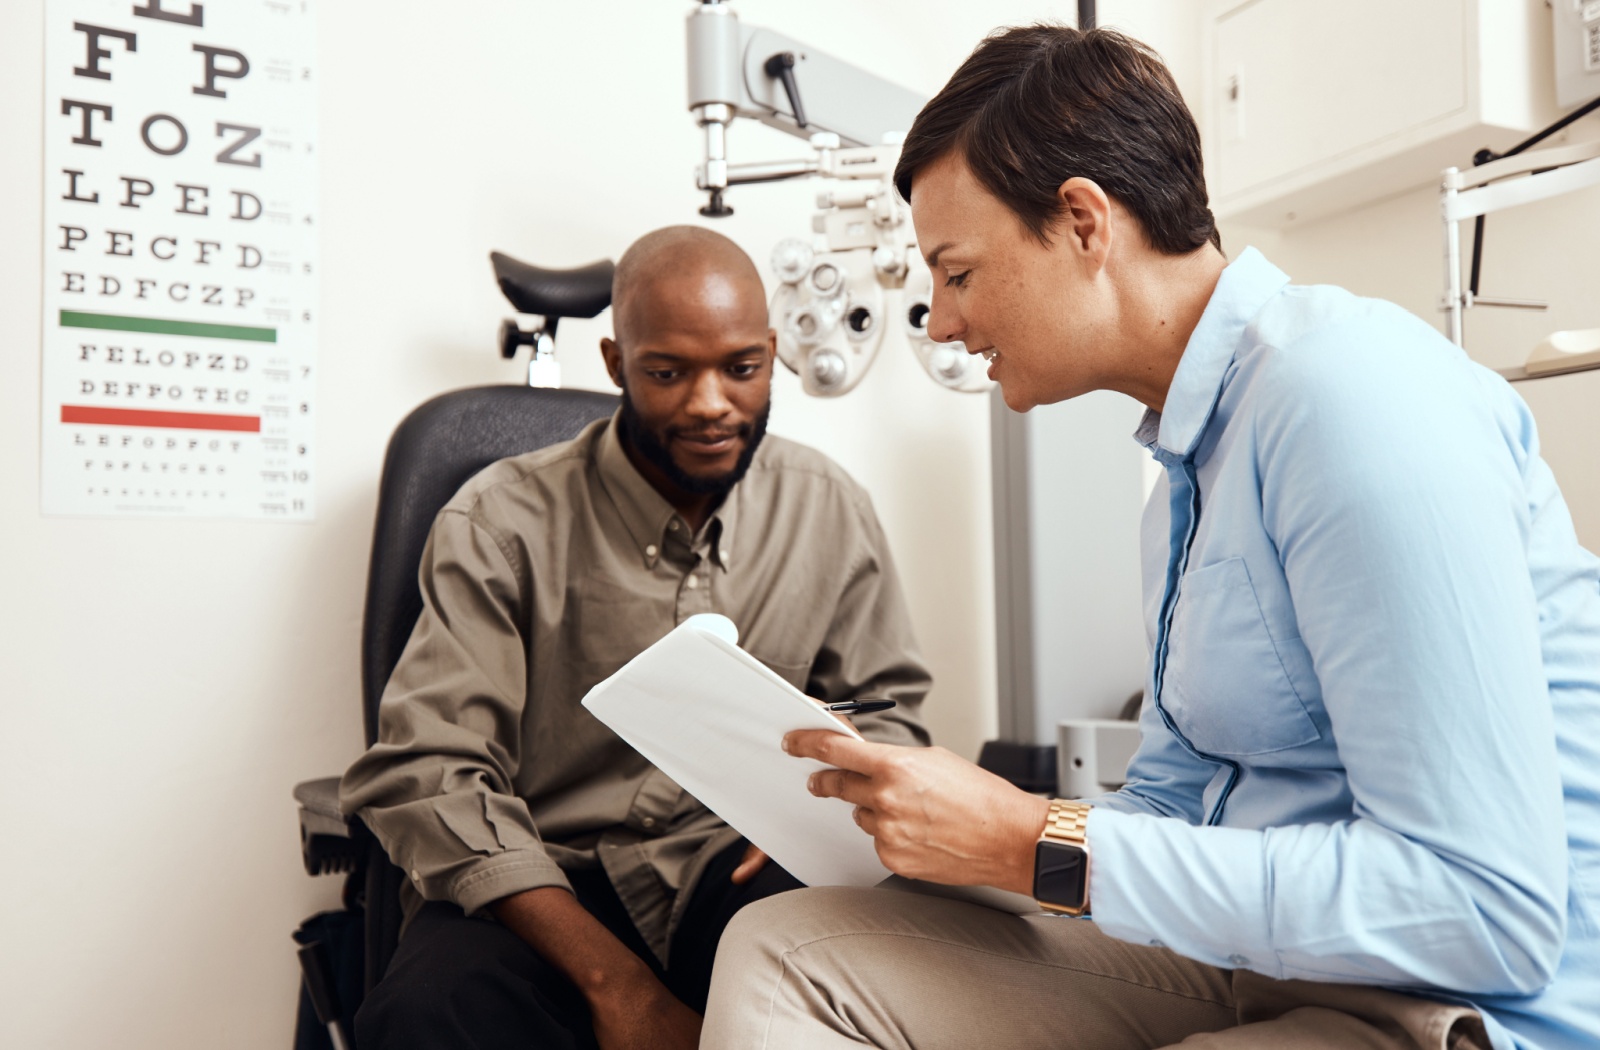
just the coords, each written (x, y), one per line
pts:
(433, 452)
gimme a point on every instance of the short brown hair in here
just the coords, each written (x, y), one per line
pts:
(1034, 106)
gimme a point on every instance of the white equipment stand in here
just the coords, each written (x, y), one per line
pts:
(1521, 179)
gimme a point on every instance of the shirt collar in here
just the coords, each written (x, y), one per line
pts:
(645, 512)
(1244, 287)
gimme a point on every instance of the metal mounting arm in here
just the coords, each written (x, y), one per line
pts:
(737, 70)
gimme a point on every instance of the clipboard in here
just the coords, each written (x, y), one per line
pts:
(711, 716)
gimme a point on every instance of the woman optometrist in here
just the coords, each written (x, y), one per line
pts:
(1366, 806)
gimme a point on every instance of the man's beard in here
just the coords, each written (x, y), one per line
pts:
(655, 452)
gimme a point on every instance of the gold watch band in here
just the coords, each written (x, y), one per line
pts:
(1068, 823)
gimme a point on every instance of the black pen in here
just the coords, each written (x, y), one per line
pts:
(860, 707)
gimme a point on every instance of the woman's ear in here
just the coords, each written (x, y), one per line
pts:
(1085, 220)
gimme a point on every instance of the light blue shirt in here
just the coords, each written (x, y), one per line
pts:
(1371, 737)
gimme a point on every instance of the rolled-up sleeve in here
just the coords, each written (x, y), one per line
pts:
(437, 787)
(1401, 515)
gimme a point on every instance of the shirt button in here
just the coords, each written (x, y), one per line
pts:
(1238, 960)
(693, 583)
(414, 876)
(650, 551)
(673, 525)
(648, 822)
(1158, 944)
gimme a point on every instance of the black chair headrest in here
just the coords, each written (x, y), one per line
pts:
(579, 292)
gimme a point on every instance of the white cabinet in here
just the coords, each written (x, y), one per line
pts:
(1310, 108)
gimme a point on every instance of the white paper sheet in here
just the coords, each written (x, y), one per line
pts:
(711, 717)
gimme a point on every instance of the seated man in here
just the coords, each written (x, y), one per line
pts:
(562, 891)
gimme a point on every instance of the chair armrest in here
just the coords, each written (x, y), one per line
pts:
(327, 841)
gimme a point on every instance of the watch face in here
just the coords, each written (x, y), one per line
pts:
(1060, 874)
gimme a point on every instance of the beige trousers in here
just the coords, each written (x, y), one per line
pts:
(824, 968)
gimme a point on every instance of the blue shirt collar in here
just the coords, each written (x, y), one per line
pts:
(1242, 290)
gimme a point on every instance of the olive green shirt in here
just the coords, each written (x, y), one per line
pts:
(544, 575)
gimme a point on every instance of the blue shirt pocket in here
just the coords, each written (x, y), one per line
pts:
(1225, 687)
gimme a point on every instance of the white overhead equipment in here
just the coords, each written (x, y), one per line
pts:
(839, 291)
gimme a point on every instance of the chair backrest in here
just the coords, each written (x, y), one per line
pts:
(434, 451)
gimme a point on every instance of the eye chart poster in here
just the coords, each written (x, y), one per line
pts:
(180, 295)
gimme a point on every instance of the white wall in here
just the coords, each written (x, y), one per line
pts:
(167, 682)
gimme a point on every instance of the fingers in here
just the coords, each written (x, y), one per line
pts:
(839, 783)
(752, 862)
(867, 820)
(835, 749)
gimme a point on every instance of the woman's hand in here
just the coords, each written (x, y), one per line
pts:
(933, 815)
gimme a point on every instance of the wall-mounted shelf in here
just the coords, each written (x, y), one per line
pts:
(1563, 353)
(1521, 375)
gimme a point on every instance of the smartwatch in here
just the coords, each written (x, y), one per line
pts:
(1061, 860)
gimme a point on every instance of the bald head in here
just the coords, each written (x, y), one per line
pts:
(693, 357)
(684, 276)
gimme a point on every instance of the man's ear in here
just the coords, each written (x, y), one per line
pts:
(772, 347)
(611, 353)
(1085, 222)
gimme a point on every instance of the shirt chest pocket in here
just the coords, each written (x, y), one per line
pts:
(1224, 686)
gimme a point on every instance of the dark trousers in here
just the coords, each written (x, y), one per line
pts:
(471, 983)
